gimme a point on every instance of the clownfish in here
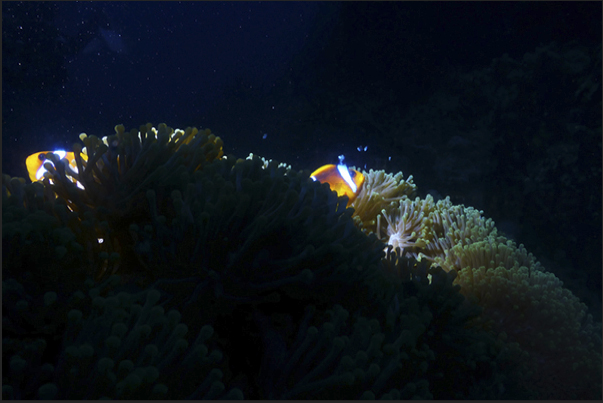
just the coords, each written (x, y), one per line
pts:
(35, 167)
(35, 163)
(341, 179)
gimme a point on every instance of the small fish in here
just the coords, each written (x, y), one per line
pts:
(341, 179)
(35, 163)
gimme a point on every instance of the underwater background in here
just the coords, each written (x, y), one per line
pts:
(496, 105)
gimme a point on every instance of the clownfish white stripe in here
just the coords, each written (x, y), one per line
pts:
(341, 179)
(345, 174)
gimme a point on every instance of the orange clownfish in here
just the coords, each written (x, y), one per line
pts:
(341, 179)
(35, 163)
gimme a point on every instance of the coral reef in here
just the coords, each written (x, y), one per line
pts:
(246, 279)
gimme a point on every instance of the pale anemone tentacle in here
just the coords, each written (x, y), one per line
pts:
(380, 191)
(407, 226)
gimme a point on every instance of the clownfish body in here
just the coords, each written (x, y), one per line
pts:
(341, 179)
(35, 163)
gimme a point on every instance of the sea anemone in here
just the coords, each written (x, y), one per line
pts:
(244, 230)
(530, 307)
(381, 191)
(281, 292)
(114, 173)
(408, 226)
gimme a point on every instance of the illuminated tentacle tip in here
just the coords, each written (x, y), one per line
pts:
(120, 129)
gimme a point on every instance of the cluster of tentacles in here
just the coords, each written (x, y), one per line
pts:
(161, 269)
